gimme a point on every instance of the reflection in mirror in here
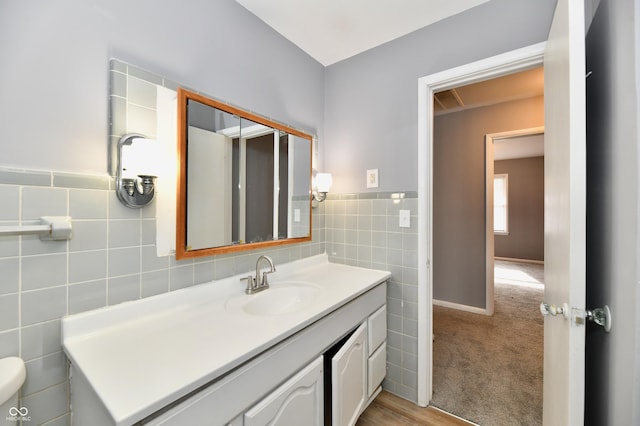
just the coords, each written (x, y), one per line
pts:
(244, 180)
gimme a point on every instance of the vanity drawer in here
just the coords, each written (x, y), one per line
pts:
(377, 324)
(377, 368)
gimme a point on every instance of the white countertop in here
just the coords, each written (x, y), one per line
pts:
(140, 356)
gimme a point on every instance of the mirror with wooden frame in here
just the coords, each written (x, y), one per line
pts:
(244, 181)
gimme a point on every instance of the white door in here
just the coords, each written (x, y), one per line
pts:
(209, 161)
(565, 209)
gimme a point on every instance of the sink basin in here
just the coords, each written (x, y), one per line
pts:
(12, 375)
(281, 298)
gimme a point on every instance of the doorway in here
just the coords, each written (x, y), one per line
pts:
(472, 343)
(563, 55)
(500, 65)
(520, 236)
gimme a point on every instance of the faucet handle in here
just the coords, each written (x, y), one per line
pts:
(251, 283)
(265, 280)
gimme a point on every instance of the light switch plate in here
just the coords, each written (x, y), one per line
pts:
(372, 178)
(405, 218)
(296, 215)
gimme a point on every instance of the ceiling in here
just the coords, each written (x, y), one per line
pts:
(522, 85)
(518, 147)
(333, 30)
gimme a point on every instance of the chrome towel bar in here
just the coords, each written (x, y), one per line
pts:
(51, 228)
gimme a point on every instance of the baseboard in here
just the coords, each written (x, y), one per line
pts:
(513, 259)
(467, 308)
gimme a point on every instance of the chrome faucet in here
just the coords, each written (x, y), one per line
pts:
(256, 284)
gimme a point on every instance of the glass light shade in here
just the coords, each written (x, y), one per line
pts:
(323, 182)
(141, 157)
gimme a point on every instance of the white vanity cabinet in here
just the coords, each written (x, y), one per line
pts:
(246, 397)
(195, 361)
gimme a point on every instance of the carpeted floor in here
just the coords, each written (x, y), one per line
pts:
(489, 369)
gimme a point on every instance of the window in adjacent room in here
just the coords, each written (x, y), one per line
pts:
(501, 204)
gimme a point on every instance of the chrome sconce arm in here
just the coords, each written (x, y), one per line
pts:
(319, 196)
(134, 188)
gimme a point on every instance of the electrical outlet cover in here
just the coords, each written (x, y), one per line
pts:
(405, 218)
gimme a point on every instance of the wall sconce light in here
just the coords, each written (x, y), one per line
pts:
(320, 186)
(136, 171)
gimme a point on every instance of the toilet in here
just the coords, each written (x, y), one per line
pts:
(12, 376)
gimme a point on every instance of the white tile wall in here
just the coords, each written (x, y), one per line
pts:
(111, 258)
(363, 230)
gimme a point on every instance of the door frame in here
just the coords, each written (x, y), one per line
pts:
(496, 66)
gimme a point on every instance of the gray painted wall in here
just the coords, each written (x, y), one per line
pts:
(371, 100)
(54, 120)
(526, 209)
(364, 110)
(371, 121)
(459, 241)
(613, 188)
(56, 60)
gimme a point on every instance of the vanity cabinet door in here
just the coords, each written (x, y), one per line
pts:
(349, 379)
(299, 401)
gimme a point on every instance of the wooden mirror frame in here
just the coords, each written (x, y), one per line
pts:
(182, 251)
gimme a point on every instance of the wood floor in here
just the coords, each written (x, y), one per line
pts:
(390, 410)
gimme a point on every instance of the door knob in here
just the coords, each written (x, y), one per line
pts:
(599, 316)
(553, 310)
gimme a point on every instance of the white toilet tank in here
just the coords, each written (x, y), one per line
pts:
(12, 377)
